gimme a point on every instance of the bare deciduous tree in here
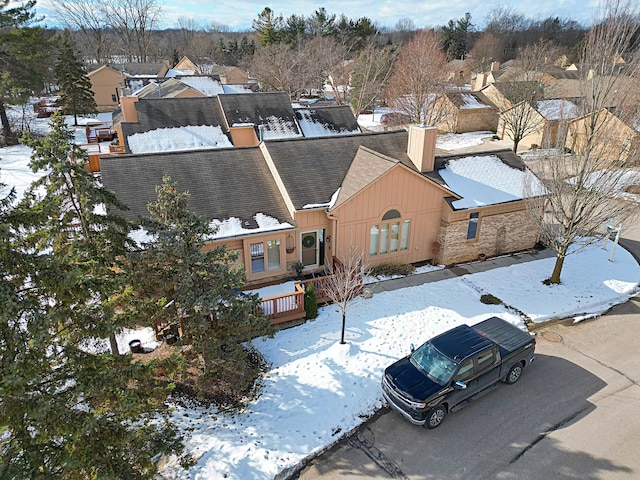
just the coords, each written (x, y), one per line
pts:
(487, 49)
(521, 119)
(134, 21)
(344, 285)
(418, 79)
(89, 18)
(370, 76)
(583, 187)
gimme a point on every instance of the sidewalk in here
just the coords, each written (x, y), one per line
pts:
(460, 270)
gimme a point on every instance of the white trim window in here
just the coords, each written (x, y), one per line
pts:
(265, 256)
(390, 236)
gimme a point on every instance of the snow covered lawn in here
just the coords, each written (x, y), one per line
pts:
(317, 390)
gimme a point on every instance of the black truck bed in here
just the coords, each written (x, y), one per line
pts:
(508, 337)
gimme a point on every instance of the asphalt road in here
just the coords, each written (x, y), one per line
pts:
(574, 414)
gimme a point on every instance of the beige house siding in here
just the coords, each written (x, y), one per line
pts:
(415, 198)
(476, 120)
(498, 233)
(105, 82)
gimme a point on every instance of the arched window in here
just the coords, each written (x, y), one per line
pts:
(391, 214)
(390, 236)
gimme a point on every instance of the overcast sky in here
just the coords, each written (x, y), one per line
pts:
(238, 14)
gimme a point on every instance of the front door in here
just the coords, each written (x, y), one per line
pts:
(310, 249)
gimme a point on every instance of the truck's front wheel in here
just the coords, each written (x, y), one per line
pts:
(436, 416)
(514, 374)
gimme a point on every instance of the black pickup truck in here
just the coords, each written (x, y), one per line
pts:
(454, 367)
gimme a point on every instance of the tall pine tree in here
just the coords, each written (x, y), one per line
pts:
(69, 408)
(199, 287)
(75, 86)
(24, 55)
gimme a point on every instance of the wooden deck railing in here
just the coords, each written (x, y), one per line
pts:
(290, 306)
(286, 307)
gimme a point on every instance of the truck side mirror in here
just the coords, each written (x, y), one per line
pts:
(460, 385)
(413, 348)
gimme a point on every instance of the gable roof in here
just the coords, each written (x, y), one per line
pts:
(557, 109)
(170, 88)
(313, 169)
(271, 111)
(516, 91)
(148, 69)
(214, 179)
(324, 121)
(367, 166)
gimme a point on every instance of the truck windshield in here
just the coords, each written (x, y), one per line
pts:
(438, 368)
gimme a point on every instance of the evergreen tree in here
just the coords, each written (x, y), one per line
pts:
(198, 287)
(268, 27)
(310, 301)
(75, 86)
(24, 54)
(69, 408)
(456, 36)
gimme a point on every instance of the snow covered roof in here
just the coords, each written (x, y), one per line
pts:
(484, 180)
(469, 100)
(205, 84)
(558, 109)
(231, 89)
(326, 121)
(179, 138)
(233, 227)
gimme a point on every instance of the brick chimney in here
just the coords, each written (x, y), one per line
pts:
(422, 147)
(495, 66)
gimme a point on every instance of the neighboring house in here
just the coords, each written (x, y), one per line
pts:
(556, 113)
(541, 124)
(184, 67)
(107, 84)
(317, 121)
(229, 75)
(312, 200)
(339, 80)
(613, 138)
(459, 72)
(111, 82)
(505, 95)
(467, 112)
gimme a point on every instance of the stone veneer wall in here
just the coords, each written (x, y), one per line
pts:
(517, 233)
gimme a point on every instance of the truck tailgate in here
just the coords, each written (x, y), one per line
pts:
(508, 337)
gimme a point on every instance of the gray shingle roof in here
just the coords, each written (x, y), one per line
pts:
(367, 166)
(154, 113)
(312, 169)
(223, 183)
(168, 89)
(334, 119)
(259, 108)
